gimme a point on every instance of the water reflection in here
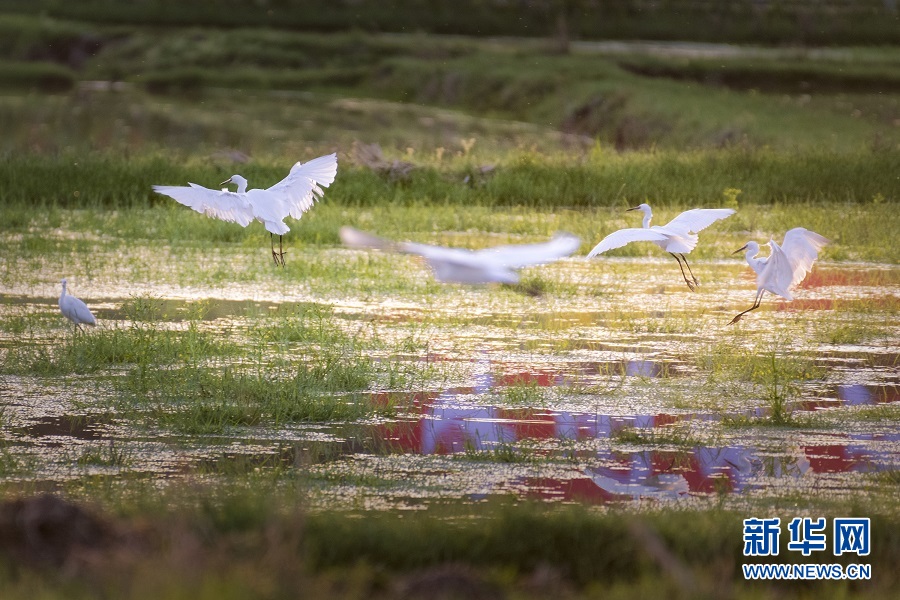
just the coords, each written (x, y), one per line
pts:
(860, 394)
(449, 423)
(79, 427)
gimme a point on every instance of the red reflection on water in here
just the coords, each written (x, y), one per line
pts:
(807, 304)
(527, 423)
(448, 422)
(836, 458)
(581, 489)
(880, 302)
(539, 378)
(843, 277)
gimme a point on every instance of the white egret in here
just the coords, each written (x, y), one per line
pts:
(677, 237)
(74, 309)
(292, 196)
(786, 265)
(459, 265)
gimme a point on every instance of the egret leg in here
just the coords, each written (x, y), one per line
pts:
(759, 296)
(281, 250)
(696, 281)
(690, 285)
(274, 254)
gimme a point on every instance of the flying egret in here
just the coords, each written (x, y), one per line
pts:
(74, 309)
(459, 265)
(786, 265)
(292, 196)
(677, 237)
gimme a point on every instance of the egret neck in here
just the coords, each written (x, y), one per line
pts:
(239, 181)
(648, 214)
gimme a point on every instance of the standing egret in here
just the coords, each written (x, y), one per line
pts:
(459, 265)
(74, 309)
(677, 237)
(292, 196)
(786, 265)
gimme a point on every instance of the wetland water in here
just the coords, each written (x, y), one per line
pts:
(639, 394)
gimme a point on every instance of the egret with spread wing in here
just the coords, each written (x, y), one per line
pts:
(459, 265)
(74, 309)
(786, 265)
(290, 197)
(677, 237)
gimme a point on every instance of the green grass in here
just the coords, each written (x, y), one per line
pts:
(865, 22)
(143, 344)
(779, 76)
(300, 367)
(204, 401)
(862, 179)
(659, 436)
(523, 392)
(41, 39)
(104, 456)
(247, 544)
(580, 97)
(771, 374)
(41, 77)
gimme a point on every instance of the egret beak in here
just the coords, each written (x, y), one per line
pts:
(741, 249)
(631, 209)
(226, 181)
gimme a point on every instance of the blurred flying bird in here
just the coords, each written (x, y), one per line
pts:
(292, 196)
(786, 265)
(677, 237)
(74, 309)
(459, 265)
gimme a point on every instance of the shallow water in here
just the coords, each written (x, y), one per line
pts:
(576, 395)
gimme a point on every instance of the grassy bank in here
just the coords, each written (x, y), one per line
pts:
(865, 22)
(597, 179)
(783, 98)
(243, 545)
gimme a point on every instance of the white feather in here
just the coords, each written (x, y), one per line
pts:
(802, 246)
(775, 276)
(620, 238)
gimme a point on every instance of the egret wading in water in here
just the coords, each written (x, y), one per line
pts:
(74, 309)
(459, 265)
(786, 265)
(677, 237)
(290, 197)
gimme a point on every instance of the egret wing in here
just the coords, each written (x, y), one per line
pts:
(619, 238)
(697, 219)
(801, 247)
(777, 273)
(81, 311)
(303, 185)
(525, 255)
(76, 310)
(221, 204)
